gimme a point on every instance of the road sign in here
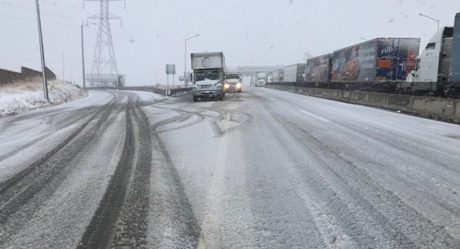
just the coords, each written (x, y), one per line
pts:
(170, 69)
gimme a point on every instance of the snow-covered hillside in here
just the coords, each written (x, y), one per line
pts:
(25, 96)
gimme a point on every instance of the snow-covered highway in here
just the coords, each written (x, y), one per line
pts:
(261, 169)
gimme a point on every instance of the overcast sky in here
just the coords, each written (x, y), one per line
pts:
(249, 32)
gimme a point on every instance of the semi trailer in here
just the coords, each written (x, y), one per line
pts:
(377, 60)
(294, 73)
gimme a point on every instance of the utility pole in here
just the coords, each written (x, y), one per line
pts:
(63, 66)
(167, 85)
(185, 58)
(83, 56)
(82, 35)
(42, 52)
(431, 18)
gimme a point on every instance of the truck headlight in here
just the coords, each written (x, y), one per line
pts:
(226, 86)
(238, 85)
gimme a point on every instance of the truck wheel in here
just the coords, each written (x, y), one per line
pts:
(195, 99)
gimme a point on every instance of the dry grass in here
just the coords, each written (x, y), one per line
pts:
(30, 85)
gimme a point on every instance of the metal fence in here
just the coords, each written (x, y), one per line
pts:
(162, 91)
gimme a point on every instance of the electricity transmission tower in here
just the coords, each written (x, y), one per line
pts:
(104, 69)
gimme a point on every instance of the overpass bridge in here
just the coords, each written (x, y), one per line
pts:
(252, 71)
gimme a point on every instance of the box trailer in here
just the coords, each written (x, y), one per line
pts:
(213, 60)
(277, 75)
(294, 73)
(318, 69)
(380, 59)
(454, 72)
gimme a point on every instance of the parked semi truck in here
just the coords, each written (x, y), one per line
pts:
(208, 75)
(277, 75)
(318, 68)
(261, 78)
(294, 73)
(379, 64)
(438, 66)
(377, 60)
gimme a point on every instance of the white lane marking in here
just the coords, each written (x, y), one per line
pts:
(314, 116)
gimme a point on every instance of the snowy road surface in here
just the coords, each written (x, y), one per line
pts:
(262, 169)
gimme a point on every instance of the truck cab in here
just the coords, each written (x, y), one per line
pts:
(261, 79)
(260, 82)
(433, 64)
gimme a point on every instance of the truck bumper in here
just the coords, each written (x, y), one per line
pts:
(207, 94)
(233, 89)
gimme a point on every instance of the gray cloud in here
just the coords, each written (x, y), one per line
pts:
(249, 32)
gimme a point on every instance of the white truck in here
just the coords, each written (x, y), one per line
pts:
(294, 73)
(261, 79)
(209, 74)
(438, 66)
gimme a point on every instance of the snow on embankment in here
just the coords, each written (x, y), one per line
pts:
(24, 96)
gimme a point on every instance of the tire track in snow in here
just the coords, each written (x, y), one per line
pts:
(121, 218)
(37, 182)
(379, 203)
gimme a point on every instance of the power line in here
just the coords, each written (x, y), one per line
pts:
(32, 9)
(32, 20)
(67, 5)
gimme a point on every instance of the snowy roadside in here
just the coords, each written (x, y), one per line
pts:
(26, 96)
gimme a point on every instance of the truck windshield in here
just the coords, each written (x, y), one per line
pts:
(207, 74)
(232, 76)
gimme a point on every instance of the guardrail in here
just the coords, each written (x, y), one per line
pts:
(172, 92)
(446, 109)
(439, 89)
(386, 87)
(181, 91)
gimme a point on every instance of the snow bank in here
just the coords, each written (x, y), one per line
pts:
(25, 96)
